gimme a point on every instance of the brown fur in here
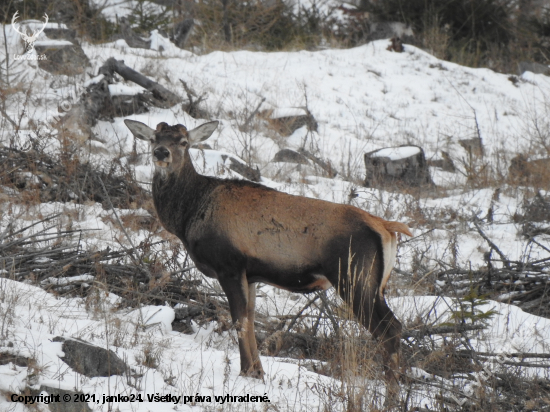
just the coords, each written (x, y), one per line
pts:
(242, 233)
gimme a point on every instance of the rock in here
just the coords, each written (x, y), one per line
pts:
(216, 163)
(287, 121)
(303, 157)
(446, 163)
(63, 406)
(403, 166)
(327, 167)
(534, 173)
(534, 215)
(90, 360)
(473, 146)
(62, 57)
(290, 156)
(243, 169)
(7, 358)
(536, 209)
(532, 67)
(62, 52)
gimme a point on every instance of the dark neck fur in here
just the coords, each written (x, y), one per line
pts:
(178, 196)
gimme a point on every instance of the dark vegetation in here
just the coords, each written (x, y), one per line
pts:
(498, 34)
(66, 179)
(488, 33)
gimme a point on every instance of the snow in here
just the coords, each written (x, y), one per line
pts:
(113, 9)
(52, 43)
(363, 99)
(194, 362)
(39, 24)
(288, 112)
(124, 89)
(396, 153)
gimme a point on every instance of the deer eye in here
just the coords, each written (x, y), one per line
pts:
(183, 143)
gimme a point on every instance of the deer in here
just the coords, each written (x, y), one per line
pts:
(241, 233)
(28, 39)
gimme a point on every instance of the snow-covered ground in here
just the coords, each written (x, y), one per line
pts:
(363, 99)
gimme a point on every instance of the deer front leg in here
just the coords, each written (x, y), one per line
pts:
(237, 291)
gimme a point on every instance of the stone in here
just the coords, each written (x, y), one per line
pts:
(64, 406)
(526, 172)
(303, 157)
(90, 360)
(290, 156)
(287, 121)
(62, 57)
(473, 146)
(533, 67)
(445, 163)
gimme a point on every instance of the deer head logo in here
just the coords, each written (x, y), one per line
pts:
(29, 39)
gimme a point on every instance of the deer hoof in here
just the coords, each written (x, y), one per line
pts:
(254, 373)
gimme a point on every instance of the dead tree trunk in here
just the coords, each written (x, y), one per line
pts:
(77, 124)
(226, 24)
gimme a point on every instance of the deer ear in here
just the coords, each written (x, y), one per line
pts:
(140, 130)
(203, 132)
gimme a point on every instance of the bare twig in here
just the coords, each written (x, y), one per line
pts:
(492, 245)
(244, 127)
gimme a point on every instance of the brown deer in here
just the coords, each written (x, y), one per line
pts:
(241, 232)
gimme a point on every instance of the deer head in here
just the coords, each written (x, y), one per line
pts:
(170, 144)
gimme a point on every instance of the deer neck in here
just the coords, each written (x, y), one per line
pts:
(179, 195)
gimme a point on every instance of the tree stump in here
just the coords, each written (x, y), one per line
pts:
(403, 166)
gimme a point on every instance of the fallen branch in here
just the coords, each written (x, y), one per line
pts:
(164, 98)
(523, 355)
(439, 330)
(192, 108)
(492, 245)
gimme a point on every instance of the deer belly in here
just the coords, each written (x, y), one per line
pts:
(293, 282)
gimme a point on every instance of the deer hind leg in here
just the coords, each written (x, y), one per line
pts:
(388, 332)
(360, 292)
(237, 291)
(250, 328)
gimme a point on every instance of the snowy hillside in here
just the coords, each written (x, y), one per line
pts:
(362, 99)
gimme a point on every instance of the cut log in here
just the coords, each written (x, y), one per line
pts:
(403, 166)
